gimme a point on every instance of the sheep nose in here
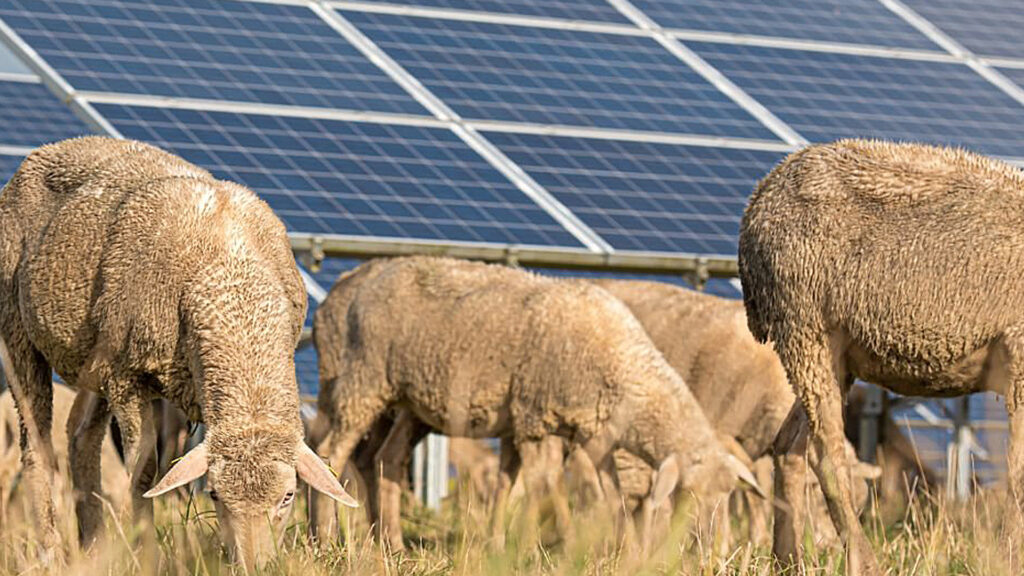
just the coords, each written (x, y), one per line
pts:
(252, 550)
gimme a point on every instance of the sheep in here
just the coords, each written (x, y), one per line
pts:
(479, 350)
(739, 382)
(114, 476)
(137, 275)
(895, 263)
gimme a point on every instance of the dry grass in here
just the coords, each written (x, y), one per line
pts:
(930, 538)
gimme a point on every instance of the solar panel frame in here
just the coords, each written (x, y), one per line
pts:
(828, 95)
(355, 178)
(846, 21)
(576, 10)
(510, 73)
(205, 49)
(645, 196)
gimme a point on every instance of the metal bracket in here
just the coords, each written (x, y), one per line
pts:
(698, 277)
(512, 256)
(313, 259)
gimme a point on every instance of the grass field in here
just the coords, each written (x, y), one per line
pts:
(930, 537)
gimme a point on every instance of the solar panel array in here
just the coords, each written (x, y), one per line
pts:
(629, 125)
(486, 121)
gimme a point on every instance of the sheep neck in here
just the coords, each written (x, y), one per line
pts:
(242, 342)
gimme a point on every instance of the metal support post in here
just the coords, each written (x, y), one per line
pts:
(430, 470)
(958, 454)
(870, 424)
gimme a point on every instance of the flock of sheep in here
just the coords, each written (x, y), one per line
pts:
(135, 276)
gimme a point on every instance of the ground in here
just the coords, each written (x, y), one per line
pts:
(931, 538)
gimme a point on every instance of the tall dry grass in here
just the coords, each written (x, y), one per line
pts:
(932, 537)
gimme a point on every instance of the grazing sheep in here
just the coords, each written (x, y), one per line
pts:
(895, 263)
(739, 382)
(480, 350)
(114, 476)
(137, 275)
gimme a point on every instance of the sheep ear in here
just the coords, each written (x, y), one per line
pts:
(867, 471)
(189, 467)
(664, 481)
(314, 472)
(744, 474)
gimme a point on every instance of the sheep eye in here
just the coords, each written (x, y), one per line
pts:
(288, 498)
(213, 496)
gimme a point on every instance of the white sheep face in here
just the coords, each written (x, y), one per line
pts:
(252, 514)
(254, 496)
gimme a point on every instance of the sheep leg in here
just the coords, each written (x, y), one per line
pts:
(29, 378)
(1013, 517)
(553, 464)
(138, 433)
(600, 451)
(759, 510)
(509, 465)
(817, 381)
(538, 481)
(790, 459)
(87, 428)
(359, 409)
(390, 466)
(364, 458)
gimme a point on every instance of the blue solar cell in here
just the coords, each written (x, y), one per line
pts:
(853, 21)
(567, 9)
(307, 371)
(825, 96)
(217, 49)
(513, 73)
(986, 27)
(8, 165)
(324, 176)
(644, 196)
(30, 115)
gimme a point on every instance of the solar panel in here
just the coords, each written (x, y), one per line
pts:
(215, 49)
(31, 116)
(824, 96)
(986, 27)
(325, 176)
(645, 196)
(596, 11)
(523, 74)
(852, 21)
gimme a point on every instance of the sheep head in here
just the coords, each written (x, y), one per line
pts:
(253, 494)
